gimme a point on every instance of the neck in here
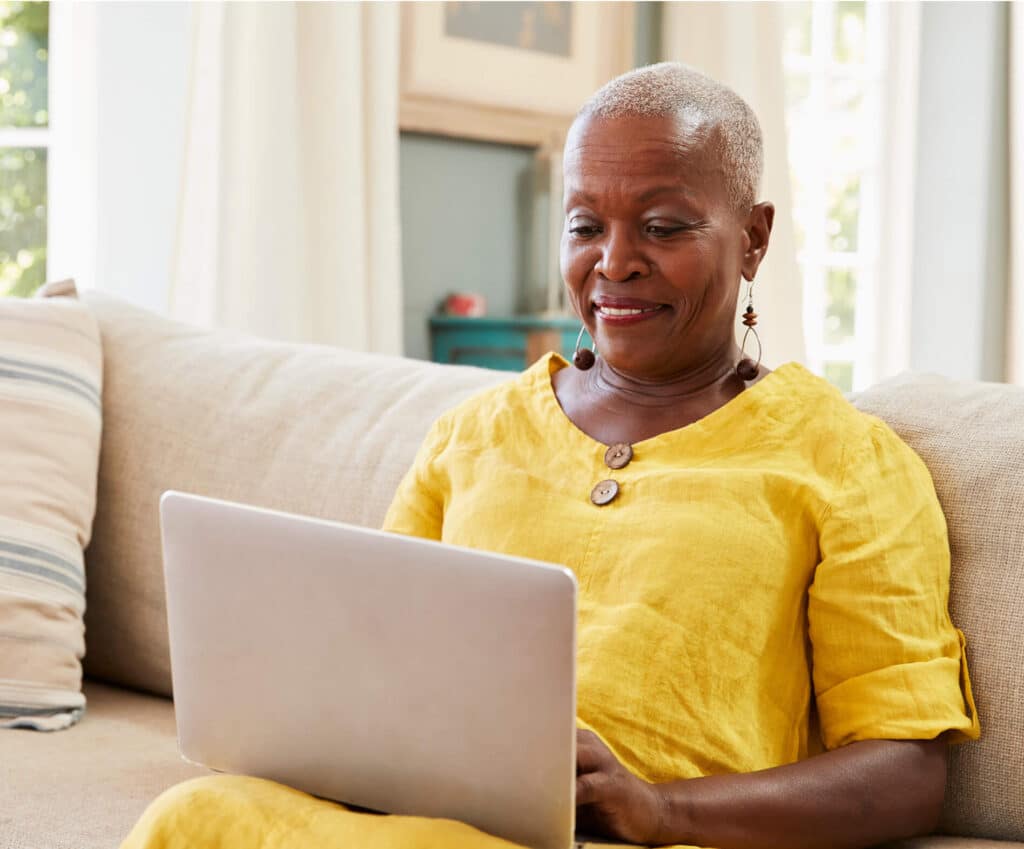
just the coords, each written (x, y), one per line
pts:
(712, 377)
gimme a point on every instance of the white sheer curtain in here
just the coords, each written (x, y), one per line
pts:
(740, 44)
(1015, 325)
(288, 221)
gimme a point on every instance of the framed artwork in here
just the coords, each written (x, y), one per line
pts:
(513, 72)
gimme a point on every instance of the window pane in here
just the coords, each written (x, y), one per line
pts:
(24, 45)
(850, 32)
(22, 220)
(843, 212)
(797, 24)
(840, 374)
(841, 305)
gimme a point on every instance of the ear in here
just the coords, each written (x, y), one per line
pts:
(758, 230)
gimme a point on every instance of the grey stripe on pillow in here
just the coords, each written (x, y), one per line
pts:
(37, 553)
(11, 565)
(20, 710)
(53, 370)
(38, 378)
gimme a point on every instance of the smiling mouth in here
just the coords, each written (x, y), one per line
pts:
(616, 311)
(626, 312)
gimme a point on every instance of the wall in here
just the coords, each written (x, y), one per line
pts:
(960, 231)
(142, 52)
(464, 209)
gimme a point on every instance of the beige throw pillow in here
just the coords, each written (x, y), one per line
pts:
(50, 414)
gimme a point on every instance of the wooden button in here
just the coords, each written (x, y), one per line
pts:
(618, 455)
(604, 492)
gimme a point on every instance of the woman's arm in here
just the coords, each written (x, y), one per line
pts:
(856, 796)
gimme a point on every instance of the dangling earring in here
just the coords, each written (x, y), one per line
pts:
(583, 359)
(746, 368)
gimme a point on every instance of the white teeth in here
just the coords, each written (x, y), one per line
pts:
(614, 311)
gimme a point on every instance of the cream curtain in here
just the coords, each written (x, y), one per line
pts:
(1015, 313)
(740, 44)
(288, 219)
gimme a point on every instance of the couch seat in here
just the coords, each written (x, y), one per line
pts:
(85, 787)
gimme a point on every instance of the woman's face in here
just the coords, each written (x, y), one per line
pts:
(653, 248)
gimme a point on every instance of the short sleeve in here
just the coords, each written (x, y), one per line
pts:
(887, 661)
(417, 508)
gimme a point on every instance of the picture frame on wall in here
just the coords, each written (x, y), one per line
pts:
(511, 72)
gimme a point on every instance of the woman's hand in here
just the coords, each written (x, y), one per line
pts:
(610, 800)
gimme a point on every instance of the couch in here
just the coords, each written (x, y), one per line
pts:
(328, 433)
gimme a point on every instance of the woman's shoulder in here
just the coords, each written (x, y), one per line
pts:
(516, 402)
(828, 424)
(815, 404)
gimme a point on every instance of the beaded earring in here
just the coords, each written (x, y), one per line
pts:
(583, 359)
(746, 368)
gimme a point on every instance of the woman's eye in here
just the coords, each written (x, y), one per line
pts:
(663, 231)
(583, 231)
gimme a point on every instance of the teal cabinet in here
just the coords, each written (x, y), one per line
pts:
(509, 344)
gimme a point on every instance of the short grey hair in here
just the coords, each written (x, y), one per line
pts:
(672, 89)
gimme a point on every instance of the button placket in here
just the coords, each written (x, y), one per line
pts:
(617, 456)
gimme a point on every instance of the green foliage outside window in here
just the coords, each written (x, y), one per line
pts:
(22, 220)
(841, 305)
(24, 46)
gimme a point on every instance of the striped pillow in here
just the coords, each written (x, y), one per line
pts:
(50, 415)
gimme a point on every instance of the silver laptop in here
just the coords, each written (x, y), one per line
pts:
(387, 672)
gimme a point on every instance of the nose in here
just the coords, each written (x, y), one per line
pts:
(621, 259)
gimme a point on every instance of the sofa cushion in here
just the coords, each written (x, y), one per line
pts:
(49, 450)
(85, 787)
(306, 429)
(971, 436)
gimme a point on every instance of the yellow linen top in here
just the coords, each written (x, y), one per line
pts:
(785, 553)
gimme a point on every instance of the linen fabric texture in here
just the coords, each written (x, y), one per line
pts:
(50, 389)
(784, 551)
(971, 436)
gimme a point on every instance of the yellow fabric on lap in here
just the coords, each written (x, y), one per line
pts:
(236, 812)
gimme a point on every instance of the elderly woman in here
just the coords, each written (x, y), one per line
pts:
(765, 653)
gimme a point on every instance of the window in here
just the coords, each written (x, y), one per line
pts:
(833, 75)
(24, 145)
(841, 94)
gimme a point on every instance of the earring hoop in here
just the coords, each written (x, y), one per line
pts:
(584, 358)
(746, 368)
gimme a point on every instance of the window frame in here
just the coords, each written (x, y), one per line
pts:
(72, 177)
(70, 142)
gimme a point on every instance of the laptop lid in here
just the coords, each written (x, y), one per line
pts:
(389, 672)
